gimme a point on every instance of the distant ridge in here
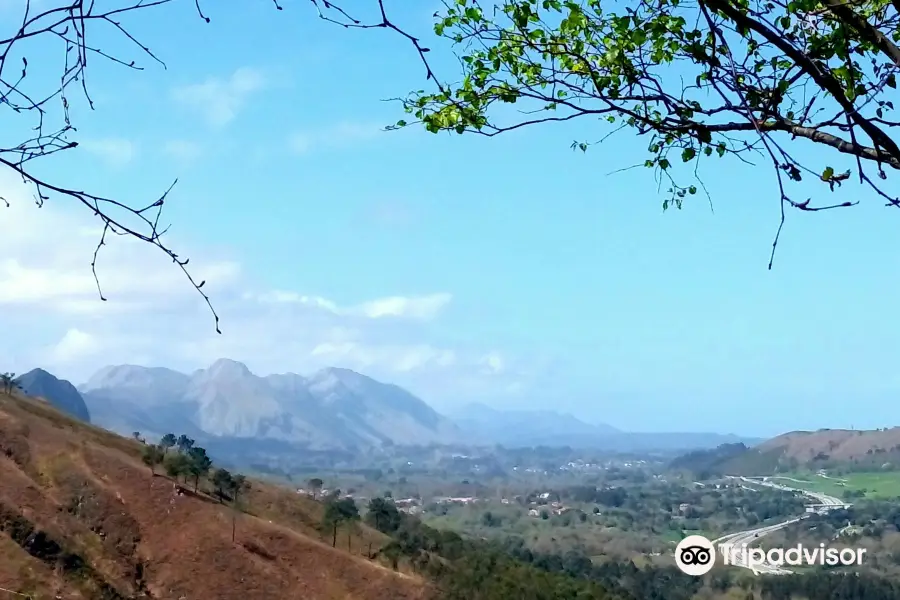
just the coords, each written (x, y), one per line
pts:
(526, 427)
(549, 428)
(58, 392)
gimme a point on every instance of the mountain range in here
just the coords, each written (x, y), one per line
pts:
(526, 427)
(334, 410)
(550, 428)
(331, 409)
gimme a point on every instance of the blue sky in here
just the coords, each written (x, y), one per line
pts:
(511, 270)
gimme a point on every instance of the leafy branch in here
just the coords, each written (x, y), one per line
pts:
(699, 78)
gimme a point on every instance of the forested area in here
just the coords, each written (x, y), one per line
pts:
(467, 569)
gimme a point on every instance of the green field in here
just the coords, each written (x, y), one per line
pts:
(876, 484)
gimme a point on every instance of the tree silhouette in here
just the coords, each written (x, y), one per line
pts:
(152, 455)
(338, 511)
(184, 443)
(383, 515)
(7, 382)
(223, 483)
(168, 441)
(239, 487)
(315, 484)
(199, 464)
(351, 521)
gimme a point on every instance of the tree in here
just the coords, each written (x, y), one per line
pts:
(315, 484)
(239, 487)
(137, 436)
(338, 511)
(383, 515)
(199, 464)
(331, 518)
(8, 382)
(351, 520)
(489, 519)
(177, 465)
(167, 441)
(392, 552)
(743, 78)
(223, 483)
(152, 456)
(184, 443)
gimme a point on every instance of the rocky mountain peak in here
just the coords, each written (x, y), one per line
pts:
(225, 367)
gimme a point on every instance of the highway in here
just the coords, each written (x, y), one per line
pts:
(749, 537)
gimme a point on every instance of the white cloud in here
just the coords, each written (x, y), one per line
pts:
(47, 255)
(284, 297)
(341, 135)
(53, 316)
(74, 345)
(183, 151)
(220, 100)
(419, 307)
(405, 307)
(116, 152)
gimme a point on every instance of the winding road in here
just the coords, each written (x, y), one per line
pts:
(824, 502)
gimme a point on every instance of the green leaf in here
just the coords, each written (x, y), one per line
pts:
(610, 55)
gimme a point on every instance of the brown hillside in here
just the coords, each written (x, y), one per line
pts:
(82, 518)
(838, 444)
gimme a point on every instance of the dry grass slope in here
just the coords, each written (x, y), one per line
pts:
(838, 444)
(82, 518)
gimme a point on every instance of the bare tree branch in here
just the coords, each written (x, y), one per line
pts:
(66, 22)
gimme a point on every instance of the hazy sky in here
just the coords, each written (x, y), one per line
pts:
(511, 271)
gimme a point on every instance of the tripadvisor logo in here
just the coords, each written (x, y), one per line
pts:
(695, 555)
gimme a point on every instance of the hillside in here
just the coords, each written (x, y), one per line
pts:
(82, 518)
(334, 409)
(838, 445)
(863, 449)
(729, 459)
